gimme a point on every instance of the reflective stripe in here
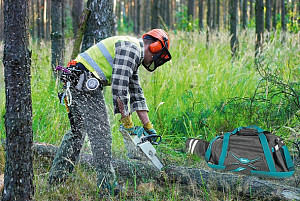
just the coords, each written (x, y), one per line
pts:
(105, 53)
(91, 61)
(193, 146)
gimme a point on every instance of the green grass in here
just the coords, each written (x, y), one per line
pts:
(200, 93)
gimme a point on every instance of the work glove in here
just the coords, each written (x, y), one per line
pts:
(128, 124)
(148, 127)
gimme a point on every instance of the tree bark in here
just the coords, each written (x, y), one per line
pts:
(48, 21)
(218, 15)
(99, 24)
(18, 184)
(57, 34)
(251, 9)
(283, 12)
(201, 24)
(147, 16)
(274, 23)
(245, 186)
(80, 32)
(259, 28)
(234, 42)
(268, 15)
(77, 9)
(154, 17)
(190, 11)
(209, 24)
(245, 15)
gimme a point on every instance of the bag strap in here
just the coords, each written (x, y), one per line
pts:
(287, 155)
(208, 151)
(267, 152)
(224, 148)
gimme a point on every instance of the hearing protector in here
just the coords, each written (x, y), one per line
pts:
(157, 45)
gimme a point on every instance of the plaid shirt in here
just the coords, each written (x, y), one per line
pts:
(125, 79)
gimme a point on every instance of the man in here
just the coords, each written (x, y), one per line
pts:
(113, 61)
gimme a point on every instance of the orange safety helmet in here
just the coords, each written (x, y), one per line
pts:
(162, 44)
(162, 40)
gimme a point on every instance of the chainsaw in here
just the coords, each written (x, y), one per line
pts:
(140, 145)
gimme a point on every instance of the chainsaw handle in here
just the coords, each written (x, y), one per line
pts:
(148, 138)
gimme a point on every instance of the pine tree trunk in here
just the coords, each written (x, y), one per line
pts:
(259, 28)
(234, 42)
(218, 15)
(48, 22)
(38, 20)
(154, 17)
(201, 10)
(77, 9)
(147, 16)
(245, 15)
(209, 24)
(251, 9)
(1, 20)
(283, 12)
(268, 15)
(42, 27)
(57, 33)
(99, 24)
(274, 23)
(190, 11)
(18, 180)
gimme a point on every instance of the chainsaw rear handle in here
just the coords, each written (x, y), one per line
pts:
(149, 138)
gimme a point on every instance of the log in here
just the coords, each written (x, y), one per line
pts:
(246, 186)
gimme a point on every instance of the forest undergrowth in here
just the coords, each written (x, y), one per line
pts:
(200, 93)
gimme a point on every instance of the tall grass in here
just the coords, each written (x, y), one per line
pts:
(199, 93)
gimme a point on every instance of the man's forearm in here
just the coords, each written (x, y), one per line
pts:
(143, 115)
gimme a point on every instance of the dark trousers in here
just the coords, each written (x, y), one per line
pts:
(88, 115)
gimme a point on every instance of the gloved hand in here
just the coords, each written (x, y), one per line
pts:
(149, 129)
(128, 124)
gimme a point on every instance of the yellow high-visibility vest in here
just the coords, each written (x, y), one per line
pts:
(99, 58)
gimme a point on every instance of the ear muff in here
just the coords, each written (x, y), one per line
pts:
(155, 46)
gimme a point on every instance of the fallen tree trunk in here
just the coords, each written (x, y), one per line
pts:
(246, 186)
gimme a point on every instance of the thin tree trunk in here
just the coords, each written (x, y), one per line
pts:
(283, 12)
(268, 15)
(38, 20)
(48, 22)
(234, 42)
(208, 21)
(18, 180)
(259, 17)
(274, 24)
(225, 11)
(245, 15)
(218, 15)
(42, 19)
(201, 24)
(77, 9)
(251, 9)
(190, 11)
(147, 15)
(213, 15)
(154, 18)
(56, 33)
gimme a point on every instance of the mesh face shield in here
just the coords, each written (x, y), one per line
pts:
(159, 59)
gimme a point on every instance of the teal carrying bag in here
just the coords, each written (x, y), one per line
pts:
(249, 150)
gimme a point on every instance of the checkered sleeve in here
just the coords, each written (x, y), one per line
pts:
(125, 78)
